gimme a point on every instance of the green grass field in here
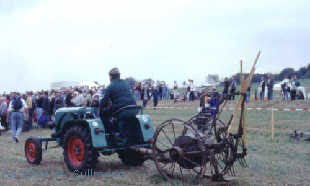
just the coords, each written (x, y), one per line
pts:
(278, 162)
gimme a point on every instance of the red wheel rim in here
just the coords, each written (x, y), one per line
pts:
(31, 151)
(76, 150)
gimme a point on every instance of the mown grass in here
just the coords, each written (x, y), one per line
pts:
(270, 162)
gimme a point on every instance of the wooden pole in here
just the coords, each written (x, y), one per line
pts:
(247, 83)
(244, 126)
(244, 111)
(272, 123)
(241, 75)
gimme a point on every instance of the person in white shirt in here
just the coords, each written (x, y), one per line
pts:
(16, 110)
(79, 100)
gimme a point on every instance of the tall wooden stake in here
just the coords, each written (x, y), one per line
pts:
(247, 83)
(244, 111)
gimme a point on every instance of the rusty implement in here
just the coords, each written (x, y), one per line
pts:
(203, 146)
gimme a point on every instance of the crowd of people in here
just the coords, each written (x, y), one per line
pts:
(289, 89)
(265, 89)
(40, 106)
(147, 91)
(19, 111)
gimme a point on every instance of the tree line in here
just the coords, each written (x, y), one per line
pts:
(302, 73)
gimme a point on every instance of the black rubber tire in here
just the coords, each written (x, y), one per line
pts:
(38, 150)
(131, 158)
(90, 155)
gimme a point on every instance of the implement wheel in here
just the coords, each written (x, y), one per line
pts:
(79, 154)
(33, 150)
(172, 151)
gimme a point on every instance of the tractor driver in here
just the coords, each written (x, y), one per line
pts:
(118, 94)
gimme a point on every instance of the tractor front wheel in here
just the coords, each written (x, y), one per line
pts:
(33, 151)
(79, 154)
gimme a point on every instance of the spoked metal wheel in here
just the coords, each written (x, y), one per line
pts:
(176, 152)
(220, 130)
(220, 154)
(221, 161)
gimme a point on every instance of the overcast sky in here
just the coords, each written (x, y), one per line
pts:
(42, 41)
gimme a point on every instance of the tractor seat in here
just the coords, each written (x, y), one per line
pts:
(128, 107)
(128, 125)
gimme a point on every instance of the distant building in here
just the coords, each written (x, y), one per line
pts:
(211, 80)
(63, 84)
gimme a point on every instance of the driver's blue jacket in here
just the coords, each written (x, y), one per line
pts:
(119, 93)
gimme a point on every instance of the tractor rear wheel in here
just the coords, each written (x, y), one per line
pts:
(131, 157)
(33, 151)
(79, 155)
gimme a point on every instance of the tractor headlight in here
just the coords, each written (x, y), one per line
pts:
(95, 124)
(145, 119)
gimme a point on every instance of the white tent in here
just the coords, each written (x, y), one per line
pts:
(89, 84)
(277, 87)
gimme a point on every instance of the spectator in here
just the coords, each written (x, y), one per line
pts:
(138, 91)
(59, 101)
(17, 107)
(95, 104)
(204, 100)
(285, 88)
(175, 91)
(233, 86)
(76, 99)
(293, 87)
(160, 92)
(69, 99)
(165, 92)
(175, 86)
(145, 96)
(226, 86)
(191, 94)
(31, 107)
(142, 93)
(270, 84)
(88, 98)
(3, 112)
(248, 95)
(155, 94)
(149, 92)
(52, 100)
(39, 109)
(262, 87)
(46, 104)
(188, 92)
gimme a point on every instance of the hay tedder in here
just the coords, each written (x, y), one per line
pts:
(203, 146)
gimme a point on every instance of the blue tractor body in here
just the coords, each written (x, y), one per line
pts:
(85, 116)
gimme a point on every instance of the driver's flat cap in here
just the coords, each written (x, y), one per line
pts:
(114, 71)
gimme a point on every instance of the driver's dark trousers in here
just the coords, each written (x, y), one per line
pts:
(127, 127)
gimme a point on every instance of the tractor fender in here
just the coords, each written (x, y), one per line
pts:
(98, 138)
(146, 126)
(98, 133)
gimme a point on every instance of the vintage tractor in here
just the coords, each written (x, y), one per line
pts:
(83, 137)
(204, 145)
